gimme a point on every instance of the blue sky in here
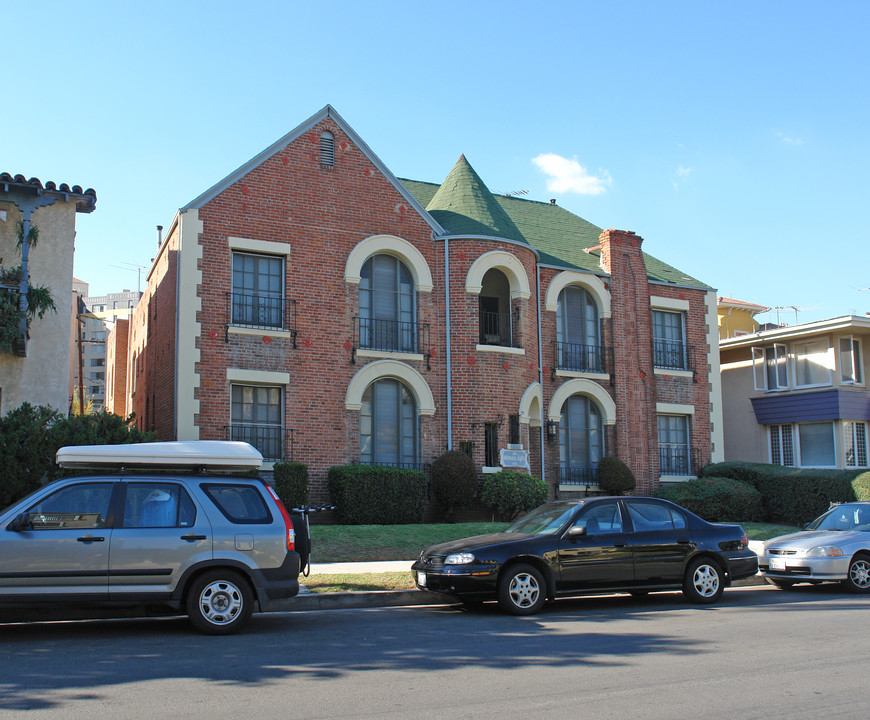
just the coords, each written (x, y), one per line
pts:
(732, 136)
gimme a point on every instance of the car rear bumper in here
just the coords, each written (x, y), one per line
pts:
(742, 564)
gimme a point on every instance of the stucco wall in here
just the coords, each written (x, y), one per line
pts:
(42, 378)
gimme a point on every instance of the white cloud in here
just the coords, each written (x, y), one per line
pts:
(789, 140)
(681, 174)
(569, 176)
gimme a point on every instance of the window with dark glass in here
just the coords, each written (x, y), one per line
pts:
(673, 431)
(386, 305)
(490, 444)
(577, 331)
(157, 505)
(514, 429)
(581, 442)
(77, 506)
(388, 425)
(257, 417)
(258, 291)
(669, 342)
(494, 307)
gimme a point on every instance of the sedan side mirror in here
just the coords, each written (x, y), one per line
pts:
(577, 531)
(20, 522)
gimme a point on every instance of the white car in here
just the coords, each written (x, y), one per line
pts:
(834, 547)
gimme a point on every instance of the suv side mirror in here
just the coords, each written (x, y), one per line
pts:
(20, 522)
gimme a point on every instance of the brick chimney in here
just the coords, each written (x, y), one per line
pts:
(634, 389)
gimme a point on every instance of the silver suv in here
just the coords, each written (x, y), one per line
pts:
(213, 545)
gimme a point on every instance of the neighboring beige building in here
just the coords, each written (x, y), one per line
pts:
(737, 317)
(798, 395)
(35, 368)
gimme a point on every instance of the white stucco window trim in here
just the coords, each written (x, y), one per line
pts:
(674, 409)
(412, 357)
(582, 387)
(259, 332)
(592, 283)
(673, 373)
(531, 405)
(663, 303)
(378, 369)
(388, 245)
(508, 264)
(500, 349)
(257, 377)
(265, 247)
(578, 374)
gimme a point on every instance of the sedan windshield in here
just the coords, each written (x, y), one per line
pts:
(843, 517)
(544, 520)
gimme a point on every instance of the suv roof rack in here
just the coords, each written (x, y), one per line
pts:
(188, 455)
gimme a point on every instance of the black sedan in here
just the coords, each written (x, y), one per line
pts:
(597, 545)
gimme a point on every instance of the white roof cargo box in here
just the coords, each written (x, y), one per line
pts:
(190, 454)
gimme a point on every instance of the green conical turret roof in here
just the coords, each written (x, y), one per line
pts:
(463, 205)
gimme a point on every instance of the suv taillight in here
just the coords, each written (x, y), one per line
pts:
(288, 523)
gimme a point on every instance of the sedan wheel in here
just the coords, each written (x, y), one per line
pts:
(859, 574)
(521, 590)
(703, 582)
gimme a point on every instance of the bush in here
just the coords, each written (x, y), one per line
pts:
(861, 486)
(454, 481)
(375, 495)
(509, 493)
(291, 483)
(614, 476)
(716, 499)
(794, 496)
(30, 437)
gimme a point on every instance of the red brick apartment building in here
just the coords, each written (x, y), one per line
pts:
(324, 310)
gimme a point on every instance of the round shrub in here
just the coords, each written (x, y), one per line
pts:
(509, 493)
(615, 477)
(716, 499)
(861, 486)
(454, 480)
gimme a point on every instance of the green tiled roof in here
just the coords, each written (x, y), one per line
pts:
(463, 205)
(558, 235)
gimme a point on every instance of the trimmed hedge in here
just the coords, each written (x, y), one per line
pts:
(377, 495)
(794, 496)
(716, 499)
(454, 480)
(509, 493)
(291, 483)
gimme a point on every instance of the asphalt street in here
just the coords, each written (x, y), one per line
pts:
(760, 652)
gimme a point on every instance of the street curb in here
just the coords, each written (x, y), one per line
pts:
(394, 598)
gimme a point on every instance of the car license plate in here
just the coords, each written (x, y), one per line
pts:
(421, 579)
(777, 564)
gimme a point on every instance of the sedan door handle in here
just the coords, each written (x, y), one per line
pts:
(620, 545)
(190, 537)
(90, 538)
(684, 541)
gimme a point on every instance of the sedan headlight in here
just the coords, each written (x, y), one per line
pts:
(459, 559)
(824, 551)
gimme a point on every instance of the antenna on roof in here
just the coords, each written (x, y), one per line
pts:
(514, 193)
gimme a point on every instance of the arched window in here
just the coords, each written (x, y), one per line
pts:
(581, 441)
(494, 305)
(577, 331)
(388, 425)
(386, 306)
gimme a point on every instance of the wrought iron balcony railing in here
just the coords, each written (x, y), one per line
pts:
(390, 335)
(268, 439)
(578, 475)
(582, 358)
(671, 355)
(677, 460)
(267, 312)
